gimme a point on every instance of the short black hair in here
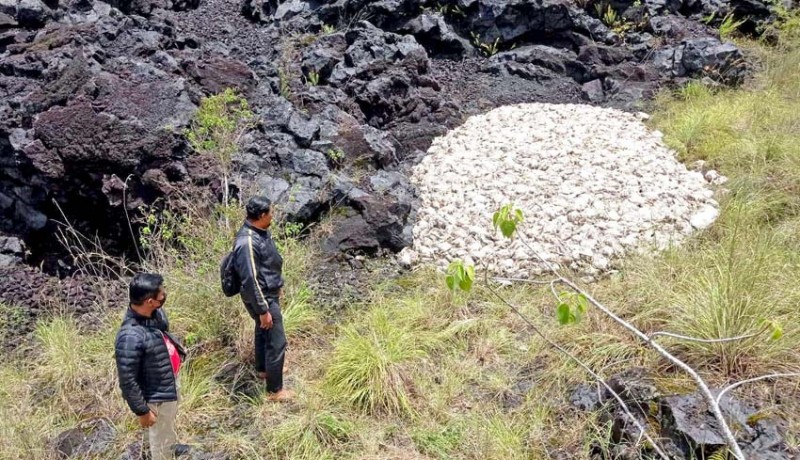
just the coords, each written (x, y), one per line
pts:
(258, 205)
(144, 286)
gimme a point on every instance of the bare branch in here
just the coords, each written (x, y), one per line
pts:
(695, 339)
(598, 378)
(704, 389)
(523, 280)
(756, 379)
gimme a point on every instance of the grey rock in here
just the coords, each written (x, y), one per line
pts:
(90, 438)
(304, 129)
(290, 9)
(593, 91)
(310, 162)
(560, 61)
(709, 55)
(353, 234)
(509, 20)
(586, 397)
(692, 427)
(7, 20)
(384, 152)
(305, 200)
(8, 7)
(432, 32)
(12, 245)
(33, 13)
(274, 187)
(323, 55)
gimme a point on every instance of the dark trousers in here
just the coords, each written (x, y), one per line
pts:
(270, 347)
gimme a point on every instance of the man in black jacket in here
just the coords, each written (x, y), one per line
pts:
(148, 360)
(259, 266)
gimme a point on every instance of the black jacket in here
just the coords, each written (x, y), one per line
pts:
(259, 266)
(143, 364)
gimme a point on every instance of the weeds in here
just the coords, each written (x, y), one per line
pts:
(312, 78)
(488, 49)
(336, 155)
(729, 26)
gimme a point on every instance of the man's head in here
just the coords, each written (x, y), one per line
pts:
(146, 293)
(259, 211)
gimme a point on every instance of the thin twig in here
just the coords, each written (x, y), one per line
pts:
(522, 280)
(756, 379)
(695, 339)
(585, 366)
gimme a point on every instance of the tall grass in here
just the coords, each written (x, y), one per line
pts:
(740, 272)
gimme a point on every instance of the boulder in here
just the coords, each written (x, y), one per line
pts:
(353, 234)
(259, 10)
(93, 437)
(305, 200)
(371, 51)
(710, 56)
(509, 20)
(693, 428)
(304, 129)
(432, 32)
(593, 91)
(33, 13)
(560, 61)
(218, 73)
(323, 55)
(309, 162)
(12, 251)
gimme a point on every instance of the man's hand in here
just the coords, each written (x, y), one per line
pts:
(147, 420)
(266, 320)
(280, 295)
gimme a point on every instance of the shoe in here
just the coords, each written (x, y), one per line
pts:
(281, 396)
(181, 450)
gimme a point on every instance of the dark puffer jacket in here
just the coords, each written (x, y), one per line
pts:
(259, 266)
(143, 364)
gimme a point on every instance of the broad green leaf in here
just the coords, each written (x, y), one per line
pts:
(563, 313)
(451, 282)
(507, 228)
(465, 284)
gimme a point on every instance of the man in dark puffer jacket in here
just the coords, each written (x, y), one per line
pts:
(148, 359)
(260, 266)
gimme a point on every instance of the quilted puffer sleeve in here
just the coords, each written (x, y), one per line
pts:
(129, 350)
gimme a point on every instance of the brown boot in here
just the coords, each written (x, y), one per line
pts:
(281, 396)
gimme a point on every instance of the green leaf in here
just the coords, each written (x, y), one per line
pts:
(583, 303)
(563, 313)
(451, 282)
(507, 228)
(465, 284)
(776, 330)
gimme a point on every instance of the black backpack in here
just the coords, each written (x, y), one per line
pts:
(229, 278)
